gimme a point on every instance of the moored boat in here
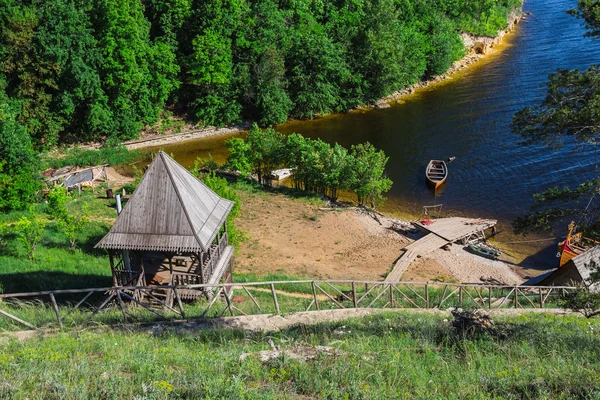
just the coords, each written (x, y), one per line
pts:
(436, 173)
(484, 251)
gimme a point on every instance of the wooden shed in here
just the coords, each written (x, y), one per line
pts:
(171, 231)
(576, 270)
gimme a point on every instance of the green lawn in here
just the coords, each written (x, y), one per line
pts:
(390, 355)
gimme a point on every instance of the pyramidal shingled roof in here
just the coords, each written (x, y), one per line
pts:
(171, 210)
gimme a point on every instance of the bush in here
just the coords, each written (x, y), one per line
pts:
(28, 230)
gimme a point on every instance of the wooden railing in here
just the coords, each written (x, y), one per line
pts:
(123, 304)
(211, 258)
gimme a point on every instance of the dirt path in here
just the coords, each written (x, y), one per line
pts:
(269, 322)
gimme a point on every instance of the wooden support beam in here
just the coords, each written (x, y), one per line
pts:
(253, 299)
(179, 303)
(275, 298)
(56, 311)
(314, 290)
(104, 303)
(19, 320)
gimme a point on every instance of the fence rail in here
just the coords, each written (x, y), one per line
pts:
(75, 307)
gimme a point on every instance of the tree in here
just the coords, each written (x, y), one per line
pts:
(137, 75)
(586, 298)
(369, 181)
(28, 230)
(266, 151)
(72, 225)
(569, 112)
(18, 165)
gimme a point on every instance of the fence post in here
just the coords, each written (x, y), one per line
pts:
(314, 289)
(121, 306)
(516, 297)
(427, 295)
(55, 306)
(489, 297)
(391, 295)
(541, 298)
(275, 298)
(460, 296)
(353, 294)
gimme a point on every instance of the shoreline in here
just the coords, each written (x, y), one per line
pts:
(477, 48)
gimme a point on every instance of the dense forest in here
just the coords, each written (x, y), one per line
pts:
(80, 70)
(77, 70)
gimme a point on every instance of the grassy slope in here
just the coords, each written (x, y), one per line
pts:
(56, 267)
(393, 355)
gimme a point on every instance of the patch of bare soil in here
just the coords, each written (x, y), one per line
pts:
(296, 238)
(427, 269)
(115, 179)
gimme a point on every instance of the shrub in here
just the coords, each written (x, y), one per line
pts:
(28, 230)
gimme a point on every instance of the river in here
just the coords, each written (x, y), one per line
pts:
(468, 116)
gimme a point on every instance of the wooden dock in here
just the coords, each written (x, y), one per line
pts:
(440, 232)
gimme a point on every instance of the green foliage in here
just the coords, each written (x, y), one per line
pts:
(83, 70)
(67, 221)
(369, 181)
(18, 164)
(545, 357)
(569, 112)
(28, 230)
(317, 166)
(107, 154)
(589, 11)
(222, 188)
(570, 108)
(586, 298)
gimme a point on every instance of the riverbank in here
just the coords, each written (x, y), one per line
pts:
(477, 48)
(304, 238)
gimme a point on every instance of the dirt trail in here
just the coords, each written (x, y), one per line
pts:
(268, 322)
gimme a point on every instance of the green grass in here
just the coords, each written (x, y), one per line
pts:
(391, 355)
(55, 266)
(117, 155)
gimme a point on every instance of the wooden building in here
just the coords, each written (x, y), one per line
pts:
(575, 270)
(171, 231)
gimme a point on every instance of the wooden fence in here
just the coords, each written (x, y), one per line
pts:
(76, 307)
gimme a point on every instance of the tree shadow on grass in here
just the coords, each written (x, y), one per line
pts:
(51, 280)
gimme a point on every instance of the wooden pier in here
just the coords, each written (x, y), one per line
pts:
(440, 232)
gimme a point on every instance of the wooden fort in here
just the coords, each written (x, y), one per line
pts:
(171, 232)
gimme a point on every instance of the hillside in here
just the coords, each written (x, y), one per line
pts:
(390, 355)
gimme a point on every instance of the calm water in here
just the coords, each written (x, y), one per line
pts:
(469, 117)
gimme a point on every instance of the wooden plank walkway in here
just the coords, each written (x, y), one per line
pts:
(456, 228)
(401, 265)
(440, 233)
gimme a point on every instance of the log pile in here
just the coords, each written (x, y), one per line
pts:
(470, 323)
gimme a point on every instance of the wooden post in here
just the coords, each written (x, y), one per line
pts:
(391, 296)
(516, 297)
(228, 300)
(27, 324)
(354, 294)
(427, 295)
(489, 297)
(541, 298)
(275, 298)
(314, 289)
(55, 306)
(121, 306)
(460, 296)
(179, 302)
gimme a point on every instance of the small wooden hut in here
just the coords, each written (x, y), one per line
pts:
(576, 270)
(172, 231)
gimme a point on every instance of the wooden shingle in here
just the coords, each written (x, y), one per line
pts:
(171, 210)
